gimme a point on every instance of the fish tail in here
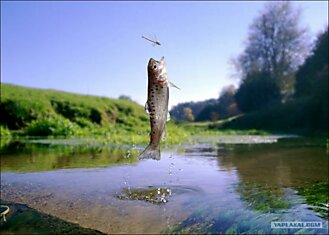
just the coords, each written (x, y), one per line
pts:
(151, 152)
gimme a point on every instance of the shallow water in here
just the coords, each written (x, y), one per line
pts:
(217, 185)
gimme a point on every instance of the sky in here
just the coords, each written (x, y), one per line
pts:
(96, 48)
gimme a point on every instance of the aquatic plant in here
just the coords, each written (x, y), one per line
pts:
(262, 197)
(316, 195)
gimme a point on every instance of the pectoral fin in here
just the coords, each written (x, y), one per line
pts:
(173, 85)
(168, 117)
(146, 108)
(164, 135)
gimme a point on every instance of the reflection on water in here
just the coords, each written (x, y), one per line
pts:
(279, 165)
(215, 187)
(29, 157)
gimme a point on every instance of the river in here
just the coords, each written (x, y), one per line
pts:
(226, 184)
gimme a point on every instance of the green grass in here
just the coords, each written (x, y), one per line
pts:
(38, 112)
(49, 113)
(22, 105)
(5, 135)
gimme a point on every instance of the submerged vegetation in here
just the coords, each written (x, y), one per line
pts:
(262, 197)
(316, 195)
(268, 204)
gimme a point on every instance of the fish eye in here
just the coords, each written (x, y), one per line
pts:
(155, 66)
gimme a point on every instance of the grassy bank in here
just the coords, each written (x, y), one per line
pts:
(30, 112)
(49, 113)
(26, 109)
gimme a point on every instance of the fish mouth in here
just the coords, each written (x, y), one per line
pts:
(162, 82)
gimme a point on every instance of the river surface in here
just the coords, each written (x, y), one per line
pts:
(226, 184)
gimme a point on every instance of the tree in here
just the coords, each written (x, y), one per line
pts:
(207, 113)
(188, 115)
(227, 103)
(226, 96)
(224, 107)
(307, 77)
(178, 110)
(276, 46)
(124, 97)
(258, 91)
(312, 82)
(214, 116)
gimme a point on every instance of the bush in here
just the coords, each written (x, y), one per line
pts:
(5, 136)
(17, 114)
(84, 122)
(54, 126)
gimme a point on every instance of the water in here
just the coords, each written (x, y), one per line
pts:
(218, 185)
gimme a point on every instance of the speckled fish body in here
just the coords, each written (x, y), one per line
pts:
(156, 106)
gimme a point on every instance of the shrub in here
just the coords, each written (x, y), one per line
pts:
(55, 126)
(84, 122)
(5, 136)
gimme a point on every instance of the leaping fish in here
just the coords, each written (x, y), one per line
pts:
(157, 106)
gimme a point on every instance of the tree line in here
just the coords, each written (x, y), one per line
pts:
(279, 67)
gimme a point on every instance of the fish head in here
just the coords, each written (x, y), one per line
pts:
(157, 71)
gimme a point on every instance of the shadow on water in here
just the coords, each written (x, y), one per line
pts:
(231, 185)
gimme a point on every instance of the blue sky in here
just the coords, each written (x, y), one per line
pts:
(96, 47)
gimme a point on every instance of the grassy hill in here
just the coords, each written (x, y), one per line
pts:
(38, 112)
(21, 105)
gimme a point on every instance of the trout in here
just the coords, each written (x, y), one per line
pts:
(156, 106)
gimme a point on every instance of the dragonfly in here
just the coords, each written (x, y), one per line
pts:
(154, 41)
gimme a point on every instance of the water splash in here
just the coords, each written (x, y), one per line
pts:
(150, 194)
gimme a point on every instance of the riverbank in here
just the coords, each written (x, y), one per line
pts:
(39, 113)
(34, 113)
